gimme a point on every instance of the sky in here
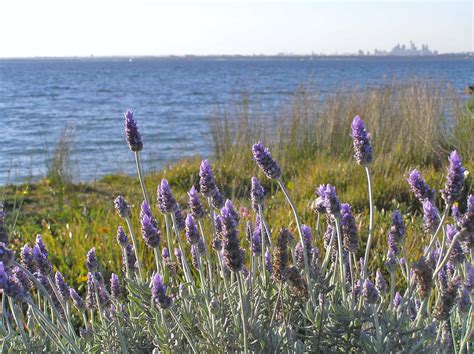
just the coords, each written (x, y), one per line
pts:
(144, 27)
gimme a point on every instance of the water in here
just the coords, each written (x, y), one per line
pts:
(172, 100)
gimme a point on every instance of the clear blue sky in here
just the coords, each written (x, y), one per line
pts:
(146, 27)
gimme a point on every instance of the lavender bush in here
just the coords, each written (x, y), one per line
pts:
(250, 291)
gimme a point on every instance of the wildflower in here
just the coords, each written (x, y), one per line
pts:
(256, 238)
(280, 255)
(22, 278)
(430, 216)
(165, 253)
(419, 187)
(206, 180)
(132, 134)
(456, 256)
(195, 204)
(195, 256)
(307, 238)
(380, 283)
(115, 288)
(128, 255)
(91, 261)
(361, 142)
(3, 276)
(318, 206)
(369, 292)
(122, 238)
(26, 258)
(217, 199)
(245, 272)
(77, 300)
(349, 229)
(122, 207)
(62, 286)
(256, 194)
(469, 278)
(423, 275)
(39, 242)
(464, 300)
(179, 219)
(166, 202)
(149, 227)
(391, 262)
(264, 160)
(233, 254)
(158, 293)
(329, 199)
(3, 231)
(42, 261)
(397, 300)
(448, 296)
(15, 290)
(90, 296)
(396, 233)
(178, 254)
(192, 233)
(298, 285)
(455, 180)
(268, 262)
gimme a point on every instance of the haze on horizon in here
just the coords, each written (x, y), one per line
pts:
(32, 28)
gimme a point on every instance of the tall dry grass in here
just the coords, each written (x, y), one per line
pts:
(413, 122)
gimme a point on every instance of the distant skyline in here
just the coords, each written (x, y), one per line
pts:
(32, 28)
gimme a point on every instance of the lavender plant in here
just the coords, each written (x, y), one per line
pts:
(254, 294)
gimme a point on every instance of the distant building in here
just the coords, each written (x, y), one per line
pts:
(403, 50)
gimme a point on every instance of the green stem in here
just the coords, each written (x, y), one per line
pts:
(342, 266)
(156, 252)
(378, 332)
(242, 313)
(168, 237)
(438, 229)
(135, 248)
(140, 176)
(19, 324)
(448, 253)
(187, 272)
(371, 222)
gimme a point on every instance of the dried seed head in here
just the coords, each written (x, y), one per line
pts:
(280, 255)
(423, 273)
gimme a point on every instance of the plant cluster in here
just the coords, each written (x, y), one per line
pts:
(266, 290)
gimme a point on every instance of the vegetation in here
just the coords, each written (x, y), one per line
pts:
(301, 309)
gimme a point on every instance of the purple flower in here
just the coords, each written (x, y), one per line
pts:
(396, 233)
(469, 279)
(23, 278)
(430, 216)
(158, 293)
(39, 242)
(455, 180)
(42, 261)
(128, 258)
(391, 262)
(330, 200)
(192, 233)
(206, 180)
(166, 202)
(419, 187)
(369, 292)
(115, 289)
(307, 239)
(361, 142)
(268, 261)
(178, 254)
(349, 229)
(122, 238)
(217, 241)
(3, 276)
(91, 261)
(397, 300)
(179, 219)
(464, 300)
(318, 206)
(90, 296)
(380, 283)
(457, 255)
(217, 199)
(122, 207)
(256, 238)
(233, 254)
(149, 227)
(165, 253)
(195, 204)
(3, 231)
(15, 289)
(26, 258)
(132, 134)
(195, 256)
(61, 285)
(256, 194)
(264, 160)
(77, 300)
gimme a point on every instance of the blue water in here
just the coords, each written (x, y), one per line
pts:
(172, 99)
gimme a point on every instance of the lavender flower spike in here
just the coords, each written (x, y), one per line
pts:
(122, 207)
(370, 292)
(42, 261)
(122, 238)
(158, 293)
(26, 257)
(192, 233)
(149, 227)
(233, 254)
(457, 255)
(256, 194)
(166, 202)
(455, 180)
(115, 289)
(349, 229)
(61, 285)
(91, 261)
(3, 231)
(206, 180)
(307, 238)
(195, 204)
(396, 234)
(430, 216)
(419, 187)
(361, 142)
(380, 283)
(329, 198)
(134, 139)
(264, 160)
(77, 300)
(217, 199)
